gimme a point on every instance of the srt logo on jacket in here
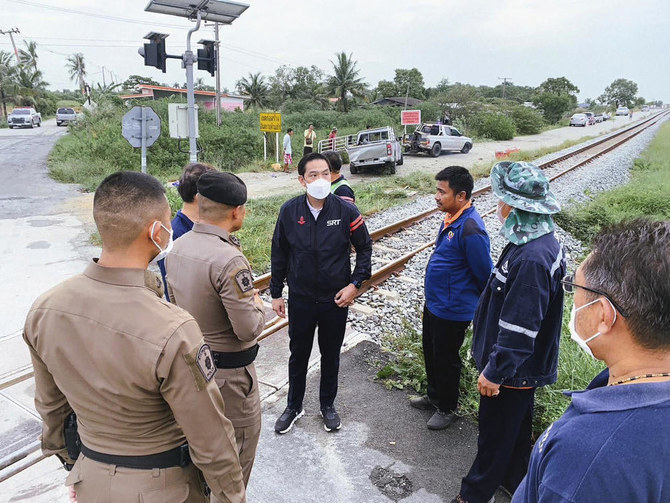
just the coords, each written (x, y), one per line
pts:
(333, 222)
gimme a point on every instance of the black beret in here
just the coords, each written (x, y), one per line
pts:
(222, 187)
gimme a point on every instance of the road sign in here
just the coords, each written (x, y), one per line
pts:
(410, 117)
(131, 126)
(271, 123)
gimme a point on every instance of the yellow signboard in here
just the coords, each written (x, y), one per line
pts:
(271, 123)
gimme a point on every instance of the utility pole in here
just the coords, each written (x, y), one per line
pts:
(218, 75)
(11, 37)
(103, 77)
(504, 85)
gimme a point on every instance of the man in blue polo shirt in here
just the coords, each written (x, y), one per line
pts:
(613, 442)
(189, 213)
(455, 277)
(517, 328)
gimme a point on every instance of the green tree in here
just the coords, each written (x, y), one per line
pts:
(442, 87)
(386, 89)
(136, 80)
(554, 97)
(255, 88)
(409, 79)
(345, 81)
(7, 71)
(621, 92)
(28, 56)
(77, 68)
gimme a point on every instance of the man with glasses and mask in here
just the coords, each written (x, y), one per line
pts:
(613, 442)
(310, 249)
(132, 366)
(516, 330)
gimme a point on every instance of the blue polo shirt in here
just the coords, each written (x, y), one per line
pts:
(611, 445)
(459, 267)
(181, 224)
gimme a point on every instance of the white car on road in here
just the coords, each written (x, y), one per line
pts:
(579, 120)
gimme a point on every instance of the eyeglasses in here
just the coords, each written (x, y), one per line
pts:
(569, 286)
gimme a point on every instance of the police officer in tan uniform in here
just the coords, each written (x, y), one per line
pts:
(209, 277)
(133, 368)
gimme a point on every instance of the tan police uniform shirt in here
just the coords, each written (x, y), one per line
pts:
(208, 275)
(134, 369)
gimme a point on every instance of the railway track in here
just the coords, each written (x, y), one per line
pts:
(555, 168)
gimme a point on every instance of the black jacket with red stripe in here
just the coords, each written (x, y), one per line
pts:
(314, 254)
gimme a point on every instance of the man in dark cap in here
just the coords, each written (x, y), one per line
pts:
(516, 329)
(209, 276)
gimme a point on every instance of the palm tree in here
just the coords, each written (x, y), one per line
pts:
(77, 68)
(28, 56)
(7, 71)
(29, 87)
(346, 80)
(255, 87)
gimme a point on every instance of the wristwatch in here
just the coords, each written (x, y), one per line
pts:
(357, 283)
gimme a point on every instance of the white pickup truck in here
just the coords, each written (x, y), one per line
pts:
(433, 138)
(24, 117)
(373, 148)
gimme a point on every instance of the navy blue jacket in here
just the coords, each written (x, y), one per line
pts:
(181, 224)
(612, 444)
(314, 255)
(517, 324)
(459, 267)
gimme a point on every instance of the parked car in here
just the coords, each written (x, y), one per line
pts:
(24, 117)
(433, 138)
(622, 111)
(606, 116)
(599, 118)
(591, 118)
(373, 148)
(579, 120)
(645, 108)
(65, 116)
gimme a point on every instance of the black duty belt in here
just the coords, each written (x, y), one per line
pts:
(235, 360)
(179, 456)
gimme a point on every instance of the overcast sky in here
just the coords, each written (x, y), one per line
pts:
(590, 42)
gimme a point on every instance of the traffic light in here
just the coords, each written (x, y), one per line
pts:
(154, 51)
(207, 56)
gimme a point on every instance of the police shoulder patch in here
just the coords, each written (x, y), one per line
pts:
(244, 280)
(205, 362)
(234, 240)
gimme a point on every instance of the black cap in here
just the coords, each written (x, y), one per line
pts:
(222, 187)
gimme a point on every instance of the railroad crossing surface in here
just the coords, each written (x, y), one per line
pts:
(383, 452)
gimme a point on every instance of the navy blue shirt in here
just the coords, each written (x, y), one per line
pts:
(611, 445)
(459, 267)
(517, 324)
(181, 224)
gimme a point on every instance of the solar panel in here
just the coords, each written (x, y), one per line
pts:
(218, 11)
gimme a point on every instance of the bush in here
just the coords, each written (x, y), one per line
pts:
(527, 120)
(495, 126)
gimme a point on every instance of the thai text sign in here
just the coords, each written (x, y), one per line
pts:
(410, 117)
(271, 123)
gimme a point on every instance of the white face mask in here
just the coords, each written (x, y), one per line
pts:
(319, 189)
(162, 251)
(499, 214)
(573, 330)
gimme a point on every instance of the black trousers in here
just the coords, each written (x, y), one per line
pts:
(306, 150)
(304, 317)
(442, 340)
(503, 447)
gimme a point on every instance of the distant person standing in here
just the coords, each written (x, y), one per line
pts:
(517, 329)
(311, 251)
(456, 275)
(310, 139)
(331, 137)
(288, 150)
(338, 184)
(189, 213)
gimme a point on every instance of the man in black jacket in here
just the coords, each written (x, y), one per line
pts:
(310, 249)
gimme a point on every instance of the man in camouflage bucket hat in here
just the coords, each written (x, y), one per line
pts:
(516, 330)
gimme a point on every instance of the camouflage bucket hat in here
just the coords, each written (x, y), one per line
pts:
(524, 186)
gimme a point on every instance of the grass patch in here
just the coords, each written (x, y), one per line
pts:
(647, 194)
(405, 370)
